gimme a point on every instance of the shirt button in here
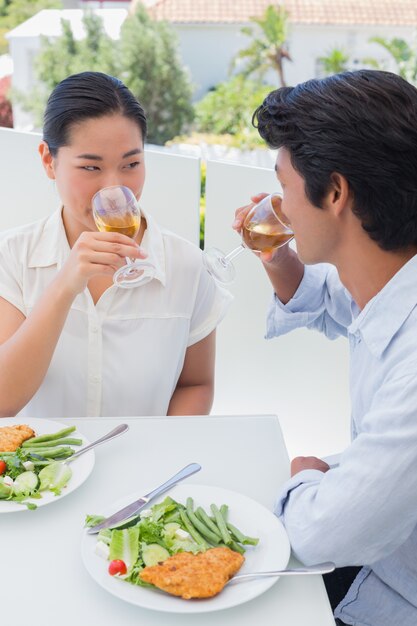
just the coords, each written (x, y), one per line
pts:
(94, 329)
(96, 379)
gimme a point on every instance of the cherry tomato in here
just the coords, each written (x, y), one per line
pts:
(117, 567)
(3, 467)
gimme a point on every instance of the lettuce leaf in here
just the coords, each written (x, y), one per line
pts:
(124, 545)
(55, 476)
(161, 509)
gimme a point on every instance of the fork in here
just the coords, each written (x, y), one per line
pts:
(319, 568)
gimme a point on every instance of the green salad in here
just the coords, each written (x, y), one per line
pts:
(36, 466)
(162, 531)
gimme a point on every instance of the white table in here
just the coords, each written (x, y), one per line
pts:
(42, 577)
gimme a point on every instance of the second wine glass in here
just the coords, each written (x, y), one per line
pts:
(264, 229)
(115, 209)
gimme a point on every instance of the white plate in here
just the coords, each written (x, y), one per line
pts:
(81, 467)
(253, 519)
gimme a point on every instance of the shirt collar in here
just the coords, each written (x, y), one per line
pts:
(52, 247)
(384, 315)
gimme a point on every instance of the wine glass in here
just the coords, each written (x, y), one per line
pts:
(265, 229)
(115, 209)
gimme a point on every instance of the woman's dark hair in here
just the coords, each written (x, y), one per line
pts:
(84, 96)
(362, 125)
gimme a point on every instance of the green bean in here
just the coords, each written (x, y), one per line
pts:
(190, 505)
(51, 453)
(192, 531)
(236, 547)
(199, 525)
(200, 512)
(202, 528)
(236, 534)
(224, 510)
(233, 546)
(221, 524)
(58, 435)
(69, 441)
(41, 463)
(240, 537)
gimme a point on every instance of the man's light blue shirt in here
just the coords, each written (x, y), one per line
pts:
(363, 512)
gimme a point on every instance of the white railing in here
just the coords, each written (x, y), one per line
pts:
(302, 376)
(171, 192)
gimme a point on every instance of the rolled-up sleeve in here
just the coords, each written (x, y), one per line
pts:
(321, 303)
(366, 507)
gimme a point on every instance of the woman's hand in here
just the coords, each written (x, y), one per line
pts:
(240, 216)
(97, 253)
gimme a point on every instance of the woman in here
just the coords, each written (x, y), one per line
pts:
(72, 343)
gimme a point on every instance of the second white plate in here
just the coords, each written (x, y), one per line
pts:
(81, 467)
(253, 519)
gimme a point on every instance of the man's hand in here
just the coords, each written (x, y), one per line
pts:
(301, 463)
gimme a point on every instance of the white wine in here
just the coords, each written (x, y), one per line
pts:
(126, 226)
(265, 237)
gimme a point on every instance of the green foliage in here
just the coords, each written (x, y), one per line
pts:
(153, 72)
(14, 12)
(404, 55)
(203, 202)
(335, 61)
(145, 58)
(229, 109)
(268, 47)
(65, 55)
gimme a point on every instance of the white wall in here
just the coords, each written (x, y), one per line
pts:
(208, 49)
(23, 51)
(307, 43)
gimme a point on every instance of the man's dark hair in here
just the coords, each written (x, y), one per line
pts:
(362, 125)
(84, 96)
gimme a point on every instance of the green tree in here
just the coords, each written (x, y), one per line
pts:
(335, 61)
(268, 48)
(14, 12)
(404, 55)
(64, 56)
(229, 108)
(153, 72)
(145, 58)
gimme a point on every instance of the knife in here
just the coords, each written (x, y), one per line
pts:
(133, 509)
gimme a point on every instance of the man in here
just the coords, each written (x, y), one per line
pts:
(347, 164)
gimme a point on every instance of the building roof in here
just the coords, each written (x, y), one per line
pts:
(48, 22)
(355, 12)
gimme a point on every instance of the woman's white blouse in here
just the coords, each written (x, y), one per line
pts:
(122, 356)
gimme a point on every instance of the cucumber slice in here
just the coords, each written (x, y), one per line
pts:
(169, 529)
(153, 553)
(25, 484)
